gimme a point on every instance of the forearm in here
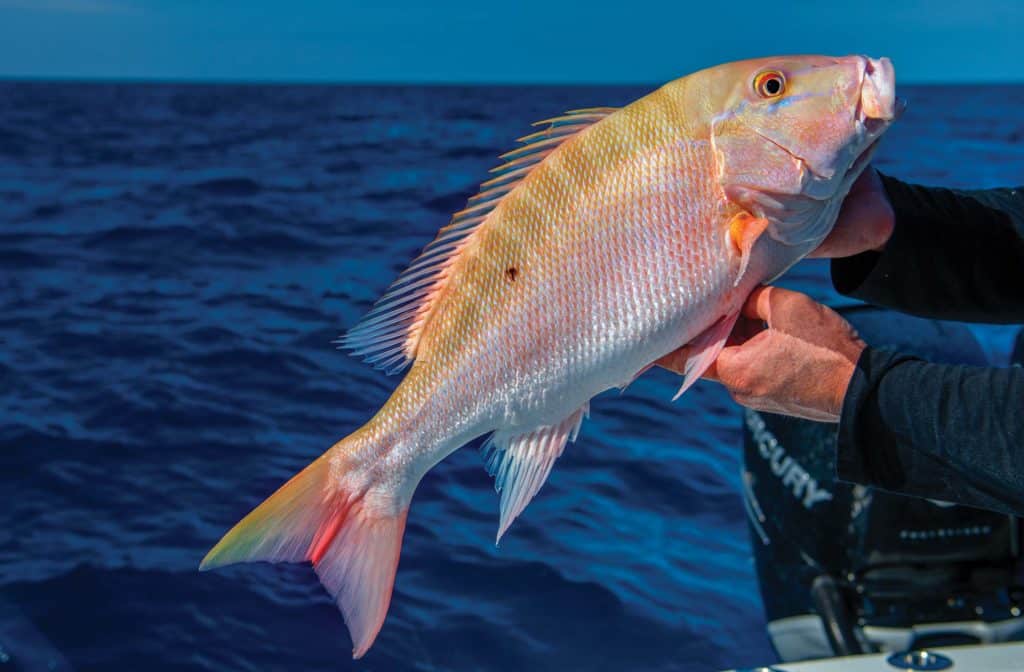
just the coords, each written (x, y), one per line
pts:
(953, 255)
(952, 433)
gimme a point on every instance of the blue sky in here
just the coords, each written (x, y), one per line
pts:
(503, 41)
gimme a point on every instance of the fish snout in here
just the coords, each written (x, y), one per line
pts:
(878, 103)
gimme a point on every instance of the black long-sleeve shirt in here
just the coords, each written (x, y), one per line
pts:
(953, 433)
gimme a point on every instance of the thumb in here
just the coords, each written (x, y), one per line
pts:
(725, 357)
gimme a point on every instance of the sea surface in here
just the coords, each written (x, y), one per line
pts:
(175, 262)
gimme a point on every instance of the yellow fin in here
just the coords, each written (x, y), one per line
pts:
(388, 336)
(352, 541)
(744, 230)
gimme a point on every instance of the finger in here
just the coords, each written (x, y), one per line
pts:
(762, 300)
(766, 300)
(721, 370)
(844, 231)
(752, 309)
(775, 306)
(865, 220)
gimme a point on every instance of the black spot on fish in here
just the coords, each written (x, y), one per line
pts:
(511, 272)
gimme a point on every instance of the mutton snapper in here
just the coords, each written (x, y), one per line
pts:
(607, 240)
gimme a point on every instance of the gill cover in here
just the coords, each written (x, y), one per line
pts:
(788, 151)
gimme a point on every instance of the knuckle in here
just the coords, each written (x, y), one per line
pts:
(742, 383)
(758, 389)
(740, 399)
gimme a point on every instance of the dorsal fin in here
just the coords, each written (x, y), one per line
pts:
(388, 335)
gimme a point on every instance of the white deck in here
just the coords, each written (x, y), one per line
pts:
(987, 658)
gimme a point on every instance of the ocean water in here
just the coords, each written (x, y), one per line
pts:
(175, 262)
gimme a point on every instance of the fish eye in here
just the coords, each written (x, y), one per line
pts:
(770, 84)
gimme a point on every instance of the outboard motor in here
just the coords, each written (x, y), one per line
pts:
(845, 569)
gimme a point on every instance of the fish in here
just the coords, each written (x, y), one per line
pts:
(607, 239)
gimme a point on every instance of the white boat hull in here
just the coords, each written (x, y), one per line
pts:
(984, 658)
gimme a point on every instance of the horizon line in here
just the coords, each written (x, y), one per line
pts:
(273, 81)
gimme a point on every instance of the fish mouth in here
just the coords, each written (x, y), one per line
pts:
(876, 109)
(877, 106)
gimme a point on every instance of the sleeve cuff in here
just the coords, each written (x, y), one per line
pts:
(849, 274)
(869, 275)
(866, 452)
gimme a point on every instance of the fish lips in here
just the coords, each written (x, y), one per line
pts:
(878, 106)
(876, 110)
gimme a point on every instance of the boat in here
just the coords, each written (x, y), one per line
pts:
(989, 658)
(859, 579)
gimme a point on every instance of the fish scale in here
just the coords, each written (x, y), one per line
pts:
(606, 241)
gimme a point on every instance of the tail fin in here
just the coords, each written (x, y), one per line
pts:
(352, 537)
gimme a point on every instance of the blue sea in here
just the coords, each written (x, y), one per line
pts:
(175, 262)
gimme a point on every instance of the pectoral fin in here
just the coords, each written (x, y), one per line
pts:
(704, 349)
(744, 230)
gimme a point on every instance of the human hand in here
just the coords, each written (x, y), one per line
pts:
(787, 354)
(865, 222)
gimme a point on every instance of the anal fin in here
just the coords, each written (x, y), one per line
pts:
(520, 464)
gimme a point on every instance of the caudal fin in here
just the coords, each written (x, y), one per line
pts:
(352, 536)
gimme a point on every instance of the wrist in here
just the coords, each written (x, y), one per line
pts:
(841, 386)
(844, 376)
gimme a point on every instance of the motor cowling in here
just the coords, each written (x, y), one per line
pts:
(846, 569)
